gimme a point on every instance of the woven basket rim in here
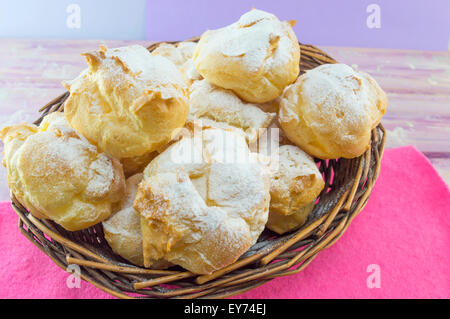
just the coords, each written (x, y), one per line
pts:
(348, 184)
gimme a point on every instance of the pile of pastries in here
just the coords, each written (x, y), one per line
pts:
(187, 153)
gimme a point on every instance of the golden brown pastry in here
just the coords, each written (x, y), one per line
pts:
(178, 53)
(213, 106)
(296, 181)
(201, 206)
(330, 111)
(281, 224)
(128, 102)
(181, 55)
(58, 175)
(135, 165)
(123, 228)
(256, 57)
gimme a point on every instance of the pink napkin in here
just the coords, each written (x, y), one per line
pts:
(398, 247)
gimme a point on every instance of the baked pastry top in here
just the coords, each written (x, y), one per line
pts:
(128, 102)
(331, 110)
(256, 57)
(58, 175)
(213, 106)
(181, 55)
(202, 208)
(296, 181)
(123, 228)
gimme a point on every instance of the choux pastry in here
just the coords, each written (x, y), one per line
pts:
(281, 224)
(256, 57)
(58, 175)
(331, 110)
(213, 106)
(198, 209)
(296, 182)
(181, 55)
(123, 228)
(128, 102)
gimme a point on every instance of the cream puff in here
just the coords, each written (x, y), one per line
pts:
(330, 111)
(57, 174)
(256, 57)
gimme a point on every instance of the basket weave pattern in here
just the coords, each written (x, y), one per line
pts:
(348, 184)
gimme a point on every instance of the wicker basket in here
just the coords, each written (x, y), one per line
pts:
(348, 184)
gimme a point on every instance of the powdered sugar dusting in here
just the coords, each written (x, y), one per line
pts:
(100, 176)
(217, 191)
(208, 101)
(137, 68)
(258, 37)
(293, 164)
(64, 149)
(337, 90)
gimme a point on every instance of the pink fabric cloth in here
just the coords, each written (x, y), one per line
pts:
(402, 236)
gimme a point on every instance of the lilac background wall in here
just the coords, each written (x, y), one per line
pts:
(405, 24)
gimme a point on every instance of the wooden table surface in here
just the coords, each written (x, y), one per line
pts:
(417, 84)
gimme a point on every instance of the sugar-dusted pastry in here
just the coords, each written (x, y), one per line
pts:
(178, 53)
(123, 228)
(58, 175)
(213, 106)
(189, 72)
(181, 55)
(128, 102)
(295, 183)
(256, 57)
(281, 224)
(330, 111)
(202, 203)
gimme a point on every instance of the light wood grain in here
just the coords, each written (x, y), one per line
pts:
(417, 84)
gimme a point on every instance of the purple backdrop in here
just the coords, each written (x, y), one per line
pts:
(404, 24)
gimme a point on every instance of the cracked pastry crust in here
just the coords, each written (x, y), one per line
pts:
(281, 224)
(331, 110)
(256, 57)
(58, 175)
(123, 228)
(295, 183)
(181, 55)
(128, 102)
(212, 106)
(199, 210)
